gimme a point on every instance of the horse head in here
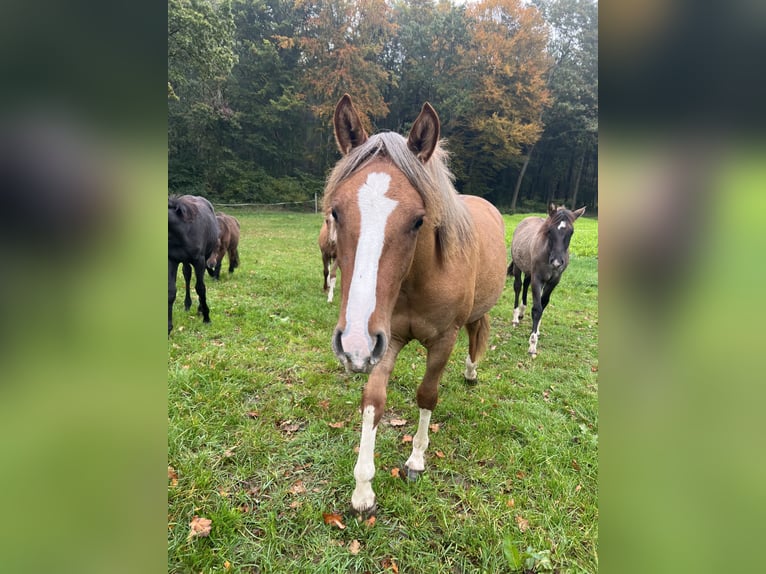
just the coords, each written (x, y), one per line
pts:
(377, 213)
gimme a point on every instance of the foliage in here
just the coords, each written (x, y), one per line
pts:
(263, 422)
(252, 85)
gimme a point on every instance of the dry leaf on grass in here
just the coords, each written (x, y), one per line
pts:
(172, 476)
(510, 503)
(522, 523)
(333, 520)
(325, 404)
(354, 547)
(200, 526)
(298, 488)
(395, 472)
(389, 564)
(439, 454)
(397, 422)
(370, 521)
(338, 425)
(407, 438)
(252, 414)
(434, 427)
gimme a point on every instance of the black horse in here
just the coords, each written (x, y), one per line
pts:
(192, 237)
(540, 250)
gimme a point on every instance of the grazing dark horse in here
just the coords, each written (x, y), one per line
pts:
(540, 250)
(327, 245)
(228, 242)
(417, 260)
(192, 236)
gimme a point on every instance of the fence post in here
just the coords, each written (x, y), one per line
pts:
(315, 202)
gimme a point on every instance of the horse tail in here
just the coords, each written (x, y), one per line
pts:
(511, 270)
(478, 338)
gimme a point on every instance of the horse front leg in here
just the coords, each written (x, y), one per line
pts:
(187, 271)
(428, 395)
(333, 273)
(373, 405)
(537, 315)
(172, 275)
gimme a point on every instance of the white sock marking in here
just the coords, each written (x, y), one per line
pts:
(332, 289)
(363, 497)
(420, 443)
(374, 209)
(516, 314)
(470, 369)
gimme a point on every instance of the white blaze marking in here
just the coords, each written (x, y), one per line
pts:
(374, 209)
(420, 443)
(363, 497)
(562, 225)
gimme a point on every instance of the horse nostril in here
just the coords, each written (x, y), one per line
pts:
(381, 344)
(337, 345)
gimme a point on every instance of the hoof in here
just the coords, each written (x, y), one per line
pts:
(365, 513)
(515, 323)
(533, 355)
(412, 475)
(471, 382)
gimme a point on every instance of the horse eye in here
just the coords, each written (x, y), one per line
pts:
(335, 215)
(418, 223)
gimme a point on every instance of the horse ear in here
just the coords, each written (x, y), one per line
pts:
(551, 209)
(424, 134)
(579, 212)
(349, 132)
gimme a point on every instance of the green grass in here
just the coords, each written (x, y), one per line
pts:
(522, 444)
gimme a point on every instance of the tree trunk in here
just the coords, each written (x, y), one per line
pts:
(519, 180)
(576, 183)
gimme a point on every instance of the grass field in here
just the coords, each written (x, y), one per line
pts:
(511, 473)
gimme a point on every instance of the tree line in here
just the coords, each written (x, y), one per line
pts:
(252, 85)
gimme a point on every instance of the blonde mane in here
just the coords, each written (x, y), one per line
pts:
(432, 180)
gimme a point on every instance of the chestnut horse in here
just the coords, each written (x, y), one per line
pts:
(417, 260)
(327, 239)
(228, 243)
(540, 250)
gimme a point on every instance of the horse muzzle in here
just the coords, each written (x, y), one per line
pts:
(359, 354)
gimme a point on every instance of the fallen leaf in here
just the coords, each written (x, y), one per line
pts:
(510, 503)
(229, 452)
(594, 369)
(200, 526)
(520, 474)
(354, 547)
(298, 488)
(395, 472)
(546, 395)
(172, 476)
(575, 465)
(356, 449)
(398, 422)
(407, 438)
(434, 427)
(289, 426)
(325, 404)
(333, 520)
(338, 425)
(439, 454)
(252, 414)
(578, 488)
(389, 564)
(522, 523)
(296, 504)
(370, 521)
(226, 564)
(223, 493)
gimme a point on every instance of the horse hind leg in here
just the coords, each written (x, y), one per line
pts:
(199, 286)
(233, 259)
(518, 313)
(478, 337)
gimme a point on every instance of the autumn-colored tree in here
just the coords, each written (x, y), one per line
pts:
(506, 64)
(342, 43)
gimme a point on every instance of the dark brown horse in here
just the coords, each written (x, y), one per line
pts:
(540, 250)
(228, 242)
(417, 260)
(327, 245)
(192, 236)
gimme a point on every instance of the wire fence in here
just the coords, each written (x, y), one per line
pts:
(314, 202)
